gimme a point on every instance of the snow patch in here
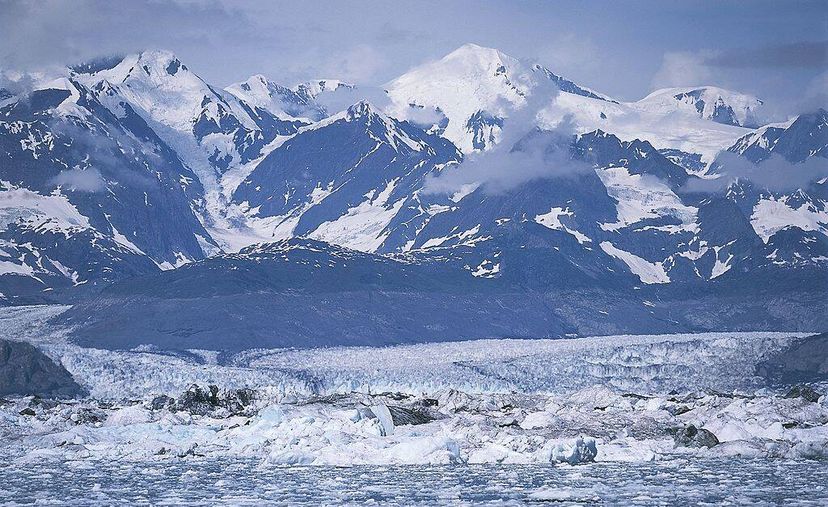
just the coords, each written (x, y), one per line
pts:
(552, 221)
(647, 272)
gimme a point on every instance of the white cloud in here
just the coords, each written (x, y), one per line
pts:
(523, 153)
(685, 69)
(775, 173)
(80, 180)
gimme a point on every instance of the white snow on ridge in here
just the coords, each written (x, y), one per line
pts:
(630, 120)
(746, 108)
(257, 91)
(758, 137)
(159, 84)
(316, 87)
(473, 78)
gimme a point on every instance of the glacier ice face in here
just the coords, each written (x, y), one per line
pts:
(652, 363)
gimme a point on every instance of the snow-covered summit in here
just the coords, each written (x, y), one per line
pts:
(473, 82)
(260, 161)
(709, 102)
(281, 101)
(363, 109)
(117, 69)
(159, 83)
(473, 89)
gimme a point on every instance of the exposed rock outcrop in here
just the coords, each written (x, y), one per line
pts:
(690, 436)
(26, 371)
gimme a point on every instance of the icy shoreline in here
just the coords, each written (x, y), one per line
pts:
(394, 428)
(641, 398)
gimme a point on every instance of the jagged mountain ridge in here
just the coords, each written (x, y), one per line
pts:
(474, 89)
(364, 198)
(87, 194)
(247, 170)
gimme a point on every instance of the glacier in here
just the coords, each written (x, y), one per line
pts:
(614, 399)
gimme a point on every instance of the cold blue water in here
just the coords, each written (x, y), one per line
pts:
(248, 482)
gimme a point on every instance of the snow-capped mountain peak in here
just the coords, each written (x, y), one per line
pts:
(474, 88)
(585, 185)
(156, 64)
(160, 84)
(361, 109)
(474, 57)
(386, 129)
(257, 90)
(471, 81)
(709, 102)
(281, 101)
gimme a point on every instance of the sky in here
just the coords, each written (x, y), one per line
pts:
(776, 50)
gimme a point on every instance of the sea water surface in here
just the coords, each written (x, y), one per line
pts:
(202, 481)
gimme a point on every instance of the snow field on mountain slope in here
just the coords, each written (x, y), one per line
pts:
(745, 108)
(642, 197)
(771, 215)
(54, 213)
(362, 227)
(630, 121)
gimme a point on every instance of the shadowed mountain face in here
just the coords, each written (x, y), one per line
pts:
(491, 198)
(303, 293)
(806, 137)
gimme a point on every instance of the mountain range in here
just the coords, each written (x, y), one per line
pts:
(486, 196)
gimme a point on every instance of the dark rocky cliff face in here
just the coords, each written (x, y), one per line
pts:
(26, 371)
(804, 361)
